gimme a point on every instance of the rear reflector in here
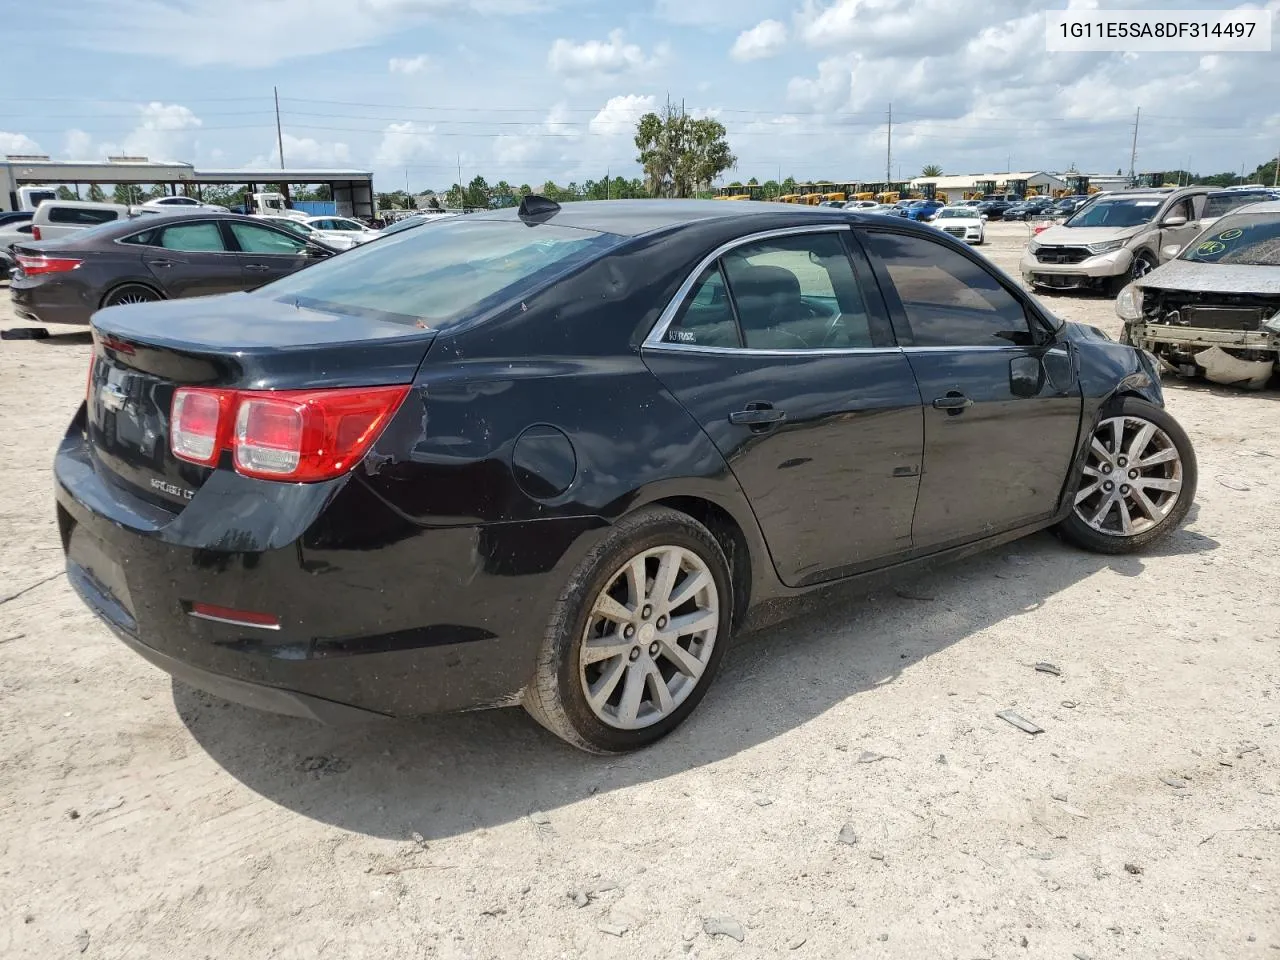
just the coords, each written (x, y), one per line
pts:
(35, 233)
(295, 435)
(34, 266)
(240, 618)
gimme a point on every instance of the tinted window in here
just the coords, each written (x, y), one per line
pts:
(347, 225)
(440, 276)
(797, 293)
(949, 300)
(1216, 204)
(255, 239)
(83, 216)
(192, 238)
(706, 319)
(1244, 239)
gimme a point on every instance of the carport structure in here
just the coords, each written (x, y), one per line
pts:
(352, 190)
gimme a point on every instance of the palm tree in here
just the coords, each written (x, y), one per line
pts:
(931, 170)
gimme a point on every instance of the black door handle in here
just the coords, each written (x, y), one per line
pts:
(160, 263)
(953, 402)
(757, 415)
(257, 267)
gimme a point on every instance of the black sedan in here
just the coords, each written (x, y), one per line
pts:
(557, 456)
(1029, 209)
(151, 257)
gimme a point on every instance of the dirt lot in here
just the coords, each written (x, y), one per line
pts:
(141, 819)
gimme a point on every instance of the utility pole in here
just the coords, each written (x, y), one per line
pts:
(275, 91)
(608, 186)
(1133, 154)
(462, 197)
(1275, 175)
(888, 151)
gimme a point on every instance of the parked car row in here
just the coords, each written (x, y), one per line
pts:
(594, 538)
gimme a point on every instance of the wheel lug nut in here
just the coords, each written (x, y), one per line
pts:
(1123, 462)
(653, 649)
(1108, 485)
(1106, 468)
(635, 654)
(1124, 488)
(1133, 474)
(647, 612)
(629, 631)
(662, 623)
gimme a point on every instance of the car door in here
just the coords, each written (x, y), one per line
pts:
(266, 253)
(1002, 405)
(190, 259)
(1178, 236)
(780, 346)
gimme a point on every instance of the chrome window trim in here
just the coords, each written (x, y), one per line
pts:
(654, 339)
(762, 352)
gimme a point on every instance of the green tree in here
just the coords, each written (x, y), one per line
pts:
(771, 189)
(931, 170)
(681, 155)
(96, 194)
(788, 185)
(126, 193)
(478, 193)
(504, 195)
(525, 189)
(64, 193)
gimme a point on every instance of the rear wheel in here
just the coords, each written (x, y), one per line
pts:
(1138, 481)
(636, 637)
(130, 293)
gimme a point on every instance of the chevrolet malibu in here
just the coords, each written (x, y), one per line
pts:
(558, 456)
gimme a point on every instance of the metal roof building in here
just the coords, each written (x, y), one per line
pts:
(1036, 179)
(352, 190)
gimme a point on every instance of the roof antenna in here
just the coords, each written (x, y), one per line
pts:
(536, 209)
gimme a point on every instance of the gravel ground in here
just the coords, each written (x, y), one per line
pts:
(844, 790)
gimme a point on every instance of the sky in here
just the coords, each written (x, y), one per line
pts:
(531, 90)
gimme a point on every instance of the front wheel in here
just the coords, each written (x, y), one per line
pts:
(1138, 481)
(636, 637)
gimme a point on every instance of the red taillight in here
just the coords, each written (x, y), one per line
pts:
(34, 266)
(240, 618)
(296, 435)
(35, 233)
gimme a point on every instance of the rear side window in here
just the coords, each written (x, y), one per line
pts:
(949, 300)
(193, 238)
(706, 319)
(438, 277)
(255, 239)
(1217, 204)
(81, 216)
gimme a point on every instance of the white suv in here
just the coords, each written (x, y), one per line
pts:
(57, 218)
(181, 203)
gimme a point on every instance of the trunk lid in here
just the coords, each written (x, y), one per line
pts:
(142, 353)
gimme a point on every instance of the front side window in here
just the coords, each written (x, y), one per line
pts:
(193, 238)
(439, 277)
(797, 293)
(949, 300)
(254, 239)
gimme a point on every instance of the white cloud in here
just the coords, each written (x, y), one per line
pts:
(205, 34)
(712, 13)
(404, 144)
(305, 152)
(598, 59)
(17, 143)
(763, 40)
(78, 145)
(621, 114)
(409, 65)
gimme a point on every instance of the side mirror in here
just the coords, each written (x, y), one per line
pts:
(1170, 251)
(1177, 220)
(316, 252)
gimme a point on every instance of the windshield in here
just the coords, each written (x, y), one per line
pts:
(1244, 239)
(1119, 213)
(435, 278)
(948, 213)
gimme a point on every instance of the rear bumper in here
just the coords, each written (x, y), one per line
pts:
(377, 616)
(46, 303)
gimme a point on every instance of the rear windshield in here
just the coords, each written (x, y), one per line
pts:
(437, 277)
(1251, 240)
(1117, 213)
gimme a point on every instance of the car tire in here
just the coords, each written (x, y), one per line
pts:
(130, 293)
(1143, 263)
(577, 654)
(1166, 477)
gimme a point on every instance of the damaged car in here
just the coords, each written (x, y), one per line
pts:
(1214, 311)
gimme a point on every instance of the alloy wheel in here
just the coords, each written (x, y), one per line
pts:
(649, 637)
(1132, 477)
(131, 295)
